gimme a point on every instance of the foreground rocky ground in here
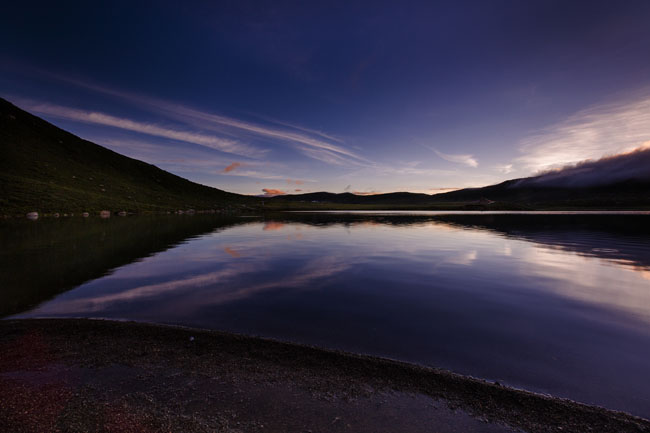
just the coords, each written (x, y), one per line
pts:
(83, 375)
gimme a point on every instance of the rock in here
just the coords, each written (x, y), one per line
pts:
(105, 214)
(32, 216)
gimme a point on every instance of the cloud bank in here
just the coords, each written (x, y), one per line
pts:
(600, 130)
(629, 166)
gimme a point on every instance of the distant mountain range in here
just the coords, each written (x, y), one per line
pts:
(616, 182)
(46, 169)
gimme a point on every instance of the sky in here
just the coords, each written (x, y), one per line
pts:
(364, 97)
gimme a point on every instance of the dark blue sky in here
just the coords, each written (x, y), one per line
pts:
(351, 96)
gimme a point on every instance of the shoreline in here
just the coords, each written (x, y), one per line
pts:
(36, 215)
(36, 353)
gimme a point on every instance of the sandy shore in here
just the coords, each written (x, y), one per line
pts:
(87, 375)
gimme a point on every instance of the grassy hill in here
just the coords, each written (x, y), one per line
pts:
(46, 169)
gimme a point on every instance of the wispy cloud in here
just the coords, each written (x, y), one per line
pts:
(366, 192)
(300, 128)
(295, 182)
(505, 168)
(314, 144)
(232, 167)
(186, 160)
(600, 130)
(255, 174)
(441, 190)
(464, 159)
(210, 141)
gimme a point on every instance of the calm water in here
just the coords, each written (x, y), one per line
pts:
(558, 304)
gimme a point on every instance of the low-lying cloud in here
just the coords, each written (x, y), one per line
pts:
(629, 166)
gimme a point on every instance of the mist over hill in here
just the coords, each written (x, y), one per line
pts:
(626, 167)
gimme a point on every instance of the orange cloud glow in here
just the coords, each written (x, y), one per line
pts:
(231, 167)
(295, 182)
(270, 192)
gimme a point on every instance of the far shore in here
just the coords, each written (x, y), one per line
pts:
(97, 375)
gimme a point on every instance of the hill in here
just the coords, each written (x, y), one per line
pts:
(46, 169)
(616, 182)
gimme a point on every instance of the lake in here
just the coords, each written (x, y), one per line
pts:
(552, 303)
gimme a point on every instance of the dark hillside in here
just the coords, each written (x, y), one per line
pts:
(46, 169)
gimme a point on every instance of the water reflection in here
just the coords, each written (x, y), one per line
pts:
(42, 258)
(557, 304)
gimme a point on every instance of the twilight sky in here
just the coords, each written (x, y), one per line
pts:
(352, 96)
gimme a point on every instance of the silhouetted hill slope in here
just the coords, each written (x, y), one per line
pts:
(624, 194)
(46, 169)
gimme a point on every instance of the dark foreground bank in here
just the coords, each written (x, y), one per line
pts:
(85, 375)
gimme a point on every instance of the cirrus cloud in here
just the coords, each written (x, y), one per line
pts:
(600, 130)
(94, 117)
(464, 159)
